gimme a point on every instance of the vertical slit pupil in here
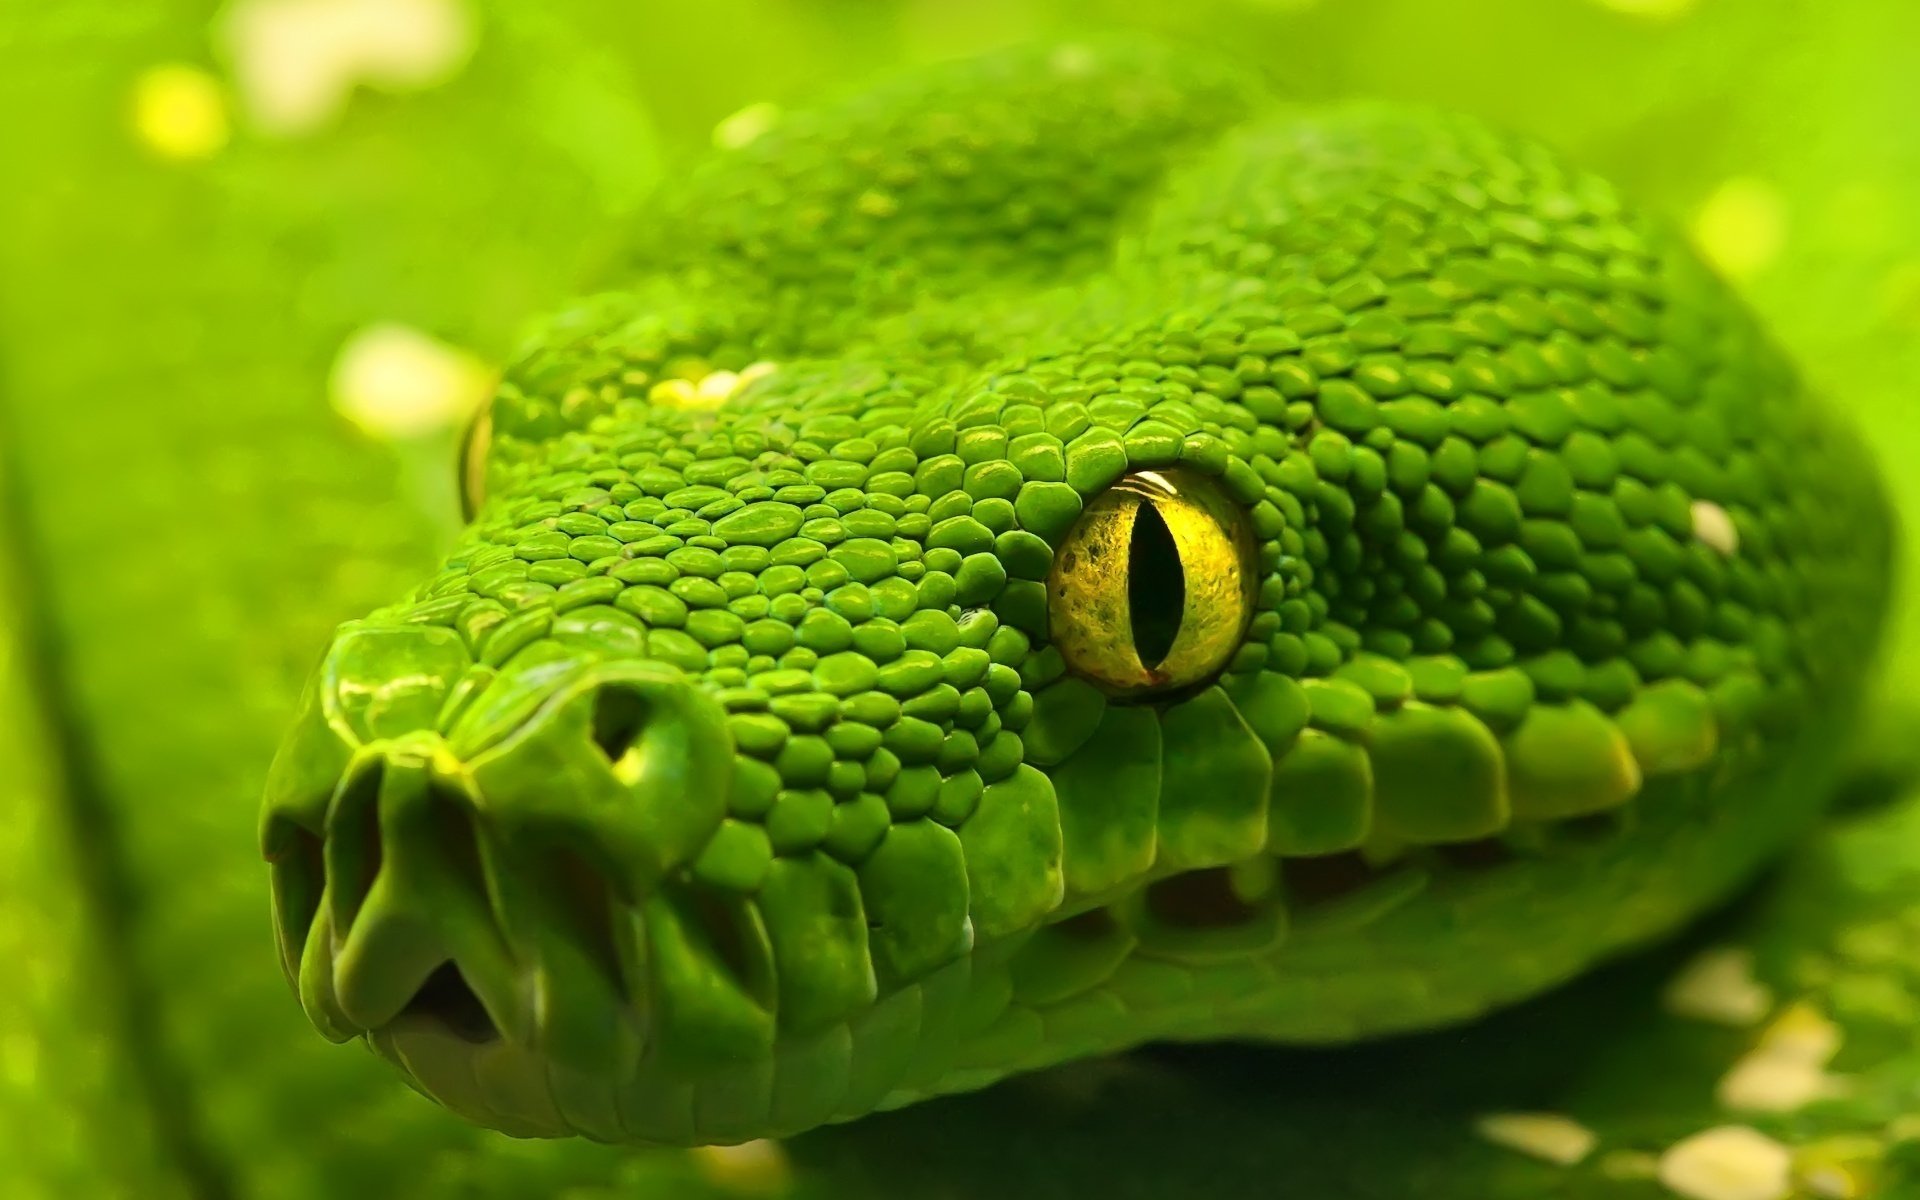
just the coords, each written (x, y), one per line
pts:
(1156, 586)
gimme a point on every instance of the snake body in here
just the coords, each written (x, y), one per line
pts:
(1062, 551)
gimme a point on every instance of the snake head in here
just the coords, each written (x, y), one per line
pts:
(1050, 555)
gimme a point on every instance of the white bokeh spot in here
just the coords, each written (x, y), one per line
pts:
(1719, 986)
(1549, 1137)
(396, 382)
(1731, 1162)
(296, 62)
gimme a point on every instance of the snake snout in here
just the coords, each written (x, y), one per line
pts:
(408, 910)
(474, 898)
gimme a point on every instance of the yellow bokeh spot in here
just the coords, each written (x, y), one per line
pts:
(675, 393)
(693, 387)
(395, 382)
(1741, 226)
(180, 112)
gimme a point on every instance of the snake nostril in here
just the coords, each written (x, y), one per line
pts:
(619, 716)
(446, 998)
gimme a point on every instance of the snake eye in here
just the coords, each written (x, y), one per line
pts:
(473, 460)
(1152, 588)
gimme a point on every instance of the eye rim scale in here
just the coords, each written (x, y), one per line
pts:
(1092, 588)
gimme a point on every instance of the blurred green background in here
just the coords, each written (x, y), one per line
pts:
(257, 257)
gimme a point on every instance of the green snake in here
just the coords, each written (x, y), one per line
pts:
(1061, 552)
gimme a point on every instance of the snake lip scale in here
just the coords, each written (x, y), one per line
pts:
(1062, 550)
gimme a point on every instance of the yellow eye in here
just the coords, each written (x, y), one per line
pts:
(473, 460)
(1152, 589)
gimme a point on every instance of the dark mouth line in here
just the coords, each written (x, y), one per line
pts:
(1311, 888)
(96, 840)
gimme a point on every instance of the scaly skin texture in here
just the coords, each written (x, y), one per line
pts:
(745, 768)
